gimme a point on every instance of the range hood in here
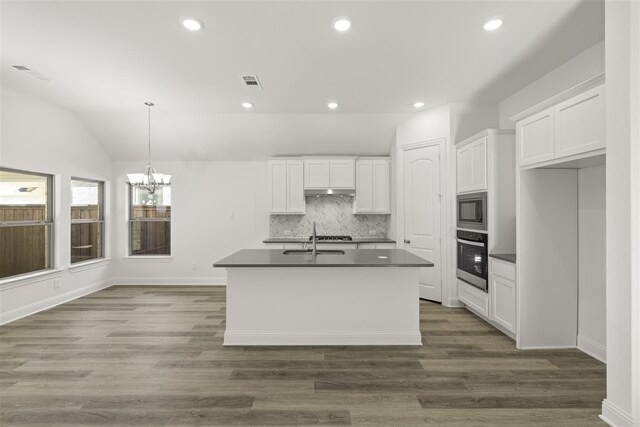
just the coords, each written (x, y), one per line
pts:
(330, 192)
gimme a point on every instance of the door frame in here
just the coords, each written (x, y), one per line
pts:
(444, 202)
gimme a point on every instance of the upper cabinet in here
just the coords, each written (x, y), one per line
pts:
(286, 189)
(372, 186)
(568, 126)
(322, 174)
(472, 166)
(580, 123)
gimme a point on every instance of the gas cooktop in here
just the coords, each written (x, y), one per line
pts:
(332, 238)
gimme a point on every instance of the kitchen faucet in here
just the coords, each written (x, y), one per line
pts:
(314, 250)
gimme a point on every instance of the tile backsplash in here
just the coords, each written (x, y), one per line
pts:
(333, 216)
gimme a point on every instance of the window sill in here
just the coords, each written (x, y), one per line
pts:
(148, 258)
(87, 265)
(28, 278)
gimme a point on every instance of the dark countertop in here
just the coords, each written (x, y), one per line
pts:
(303, 240)
(351, 258)
(504, 257)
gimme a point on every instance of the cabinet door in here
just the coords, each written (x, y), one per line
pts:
(343, 173)
(503, 301)
(364, 187)
(463, 169)
(316, 173)
(580, 123)
(295, 186)
(479, 165)
(381, 186)
(277, 176)
(535, 138)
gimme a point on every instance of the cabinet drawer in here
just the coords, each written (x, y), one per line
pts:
(503, 269)
(474, 298)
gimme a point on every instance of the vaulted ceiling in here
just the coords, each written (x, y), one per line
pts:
(104, 59)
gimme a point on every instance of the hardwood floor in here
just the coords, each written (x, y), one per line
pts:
(153, 356)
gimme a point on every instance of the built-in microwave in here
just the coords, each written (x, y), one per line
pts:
(472, 211)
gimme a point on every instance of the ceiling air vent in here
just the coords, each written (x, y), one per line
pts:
(31, 72)
(252, 81)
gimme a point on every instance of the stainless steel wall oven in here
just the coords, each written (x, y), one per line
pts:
(473, 259)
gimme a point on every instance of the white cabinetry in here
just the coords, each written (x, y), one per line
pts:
(475, 299)
(286, 190)
(535, 138)
(503, 294)
(472, 166)
(376, 245)
(579, 123)
(372, 186)
(322, 174)
(568, 126)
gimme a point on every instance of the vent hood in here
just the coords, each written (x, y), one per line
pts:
(330, 192)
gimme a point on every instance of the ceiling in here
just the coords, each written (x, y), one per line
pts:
(103, 59)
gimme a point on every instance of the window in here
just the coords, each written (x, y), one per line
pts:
(150, 221)
(87, 220)
(26, 222)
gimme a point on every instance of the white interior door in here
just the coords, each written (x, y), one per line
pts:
(422, 215)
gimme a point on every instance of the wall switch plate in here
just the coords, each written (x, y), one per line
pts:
(56, 283)
(230, 214)
(194, 266)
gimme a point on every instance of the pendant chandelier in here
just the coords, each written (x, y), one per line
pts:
(150, 180)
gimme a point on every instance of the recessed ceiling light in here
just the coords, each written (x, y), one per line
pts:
(419, 104)
(247, 105)
(342, 24)
(493, 24)
(192, 24)
(332, 105)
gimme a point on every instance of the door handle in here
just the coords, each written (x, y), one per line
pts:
(407, 241)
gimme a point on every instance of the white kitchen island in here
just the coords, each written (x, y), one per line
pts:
(361, 297)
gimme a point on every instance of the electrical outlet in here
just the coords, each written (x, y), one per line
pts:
(230, 215)
(287, 232)
(56, 283)
(372, 232)
(194, 266)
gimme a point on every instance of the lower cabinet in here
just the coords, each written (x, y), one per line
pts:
(503, 294)
(283, 245)
(476, 300)
(376, 245)
(498, 306)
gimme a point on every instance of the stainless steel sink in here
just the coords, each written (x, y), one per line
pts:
(309, 251)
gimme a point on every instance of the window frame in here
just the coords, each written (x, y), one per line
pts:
(132, 220)
(49, 221)
(100, 220)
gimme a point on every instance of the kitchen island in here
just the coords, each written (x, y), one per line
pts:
(358, 297)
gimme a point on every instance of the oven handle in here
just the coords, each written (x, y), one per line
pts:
(468, 242)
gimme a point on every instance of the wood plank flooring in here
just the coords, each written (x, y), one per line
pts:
(153, 356)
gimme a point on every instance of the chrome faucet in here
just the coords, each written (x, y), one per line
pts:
(314, 250)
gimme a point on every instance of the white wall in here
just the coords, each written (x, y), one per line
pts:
(592, 261)
(39, 136)
(578, 69)
(217, 209)
(469, 119)
(622, 35)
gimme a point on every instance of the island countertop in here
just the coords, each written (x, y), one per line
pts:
(351, 258)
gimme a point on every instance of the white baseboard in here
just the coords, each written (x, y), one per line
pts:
(547, 347)
(592, 348)
(613, 415)
(322, 338)
(453, 302)
(27, 310)
(168, 281)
